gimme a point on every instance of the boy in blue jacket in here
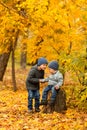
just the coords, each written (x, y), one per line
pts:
(55, 81)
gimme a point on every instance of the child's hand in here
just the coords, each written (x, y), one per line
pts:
(42, 80)
(56, 87)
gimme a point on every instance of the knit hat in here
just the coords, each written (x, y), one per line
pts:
(41, 61)
(53, 65)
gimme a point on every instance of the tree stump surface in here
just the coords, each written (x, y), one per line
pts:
(60, 103)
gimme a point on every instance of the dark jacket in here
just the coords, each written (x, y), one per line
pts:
(32, 81)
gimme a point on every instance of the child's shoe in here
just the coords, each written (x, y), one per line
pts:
(37, 110)
(30, 111)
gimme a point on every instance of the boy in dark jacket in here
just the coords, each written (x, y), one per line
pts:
(33, 83)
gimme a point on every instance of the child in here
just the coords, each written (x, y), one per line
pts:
(33, 83)
(55, 81)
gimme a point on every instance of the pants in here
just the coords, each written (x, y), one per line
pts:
(33, 94)
(46, 90)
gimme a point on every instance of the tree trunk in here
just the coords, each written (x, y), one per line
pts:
(23, 56)
(60, 103)
(3, 62)
(23, 60)
(13, 72)
(13, 61)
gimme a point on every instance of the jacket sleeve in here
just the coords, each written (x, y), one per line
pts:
(44, 80)
(60, 80)
(32, 77)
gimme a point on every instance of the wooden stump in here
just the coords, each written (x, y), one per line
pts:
(60, 103)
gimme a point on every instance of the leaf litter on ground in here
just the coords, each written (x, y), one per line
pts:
(14, 115)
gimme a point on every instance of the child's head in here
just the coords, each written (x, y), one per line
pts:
(42, 63)
(53, 66)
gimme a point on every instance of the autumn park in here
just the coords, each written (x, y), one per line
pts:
(55, 30)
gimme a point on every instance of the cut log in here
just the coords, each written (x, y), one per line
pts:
(60, 103)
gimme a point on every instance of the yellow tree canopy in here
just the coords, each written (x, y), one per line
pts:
(52, 28)
(57, 26)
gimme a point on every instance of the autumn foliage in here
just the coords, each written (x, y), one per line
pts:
(14, 113)
(55, 29)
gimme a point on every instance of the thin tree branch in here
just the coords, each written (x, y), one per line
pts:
(22, 12)
(55, 49)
